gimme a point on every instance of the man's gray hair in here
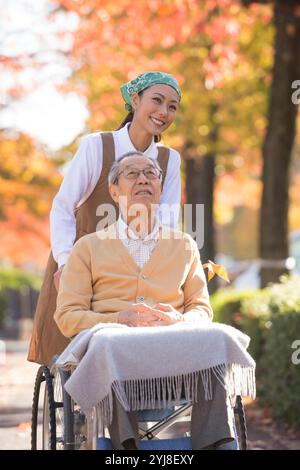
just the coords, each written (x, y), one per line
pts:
(114, 171)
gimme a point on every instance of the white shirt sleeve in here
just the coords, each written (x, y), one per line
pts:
(79, 182)
(171, 196)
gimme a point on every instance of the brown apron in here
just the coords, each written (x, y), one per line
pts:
(47, 340)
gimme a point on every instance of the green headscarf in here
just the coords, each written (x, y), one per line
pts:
(145, 80)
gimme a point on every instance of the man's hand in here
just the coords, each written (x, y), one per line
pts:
(139, 315)
(56, 277)
(144, 315)
(168, 314)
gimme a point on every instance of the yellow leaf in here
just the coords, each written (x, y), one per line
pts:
(213, 268)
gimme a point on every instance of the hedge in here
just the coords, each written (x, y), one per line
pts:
(14, 278)
(271, 317)
(279, 377)
(228, 307)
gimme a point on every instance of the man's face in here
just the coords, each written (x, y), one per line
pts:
(140, 191)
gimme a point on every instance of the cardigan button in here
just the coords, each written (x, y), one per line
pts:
(140, 299)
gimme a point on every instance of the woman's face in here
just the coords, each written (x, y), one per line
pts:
(155, 109)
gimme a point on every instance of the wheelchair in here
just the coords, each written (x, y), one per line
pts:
(58, 423)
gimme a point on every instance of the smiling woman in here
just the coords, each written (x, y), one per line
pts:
(152, 100)
(161, 98)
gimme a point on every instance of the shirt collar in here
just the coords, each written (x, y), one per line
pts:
(126, 143)
(125, 232)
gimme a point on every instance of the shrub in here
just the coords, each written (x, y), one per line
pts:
(226, 303)
(16, 279)
(271, 317)
(279, 378)
(243, 310)
(254, 321)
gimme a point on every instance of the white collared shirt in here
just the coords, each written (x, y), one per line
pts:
(81, 178)
(139, 248)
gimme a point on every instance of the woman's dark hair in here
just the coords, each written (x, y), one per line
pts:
(129, 118)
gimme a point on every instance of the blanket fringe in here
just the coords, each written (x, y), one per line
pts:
(166, 392)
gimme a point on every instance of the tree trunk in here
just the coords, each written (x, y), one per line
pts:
(200, 182)
(278, 145)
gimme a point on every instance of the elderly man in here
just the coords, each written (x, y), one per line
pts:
(140, 273)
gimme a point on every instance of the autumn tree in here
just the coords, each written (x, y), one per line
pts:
(29, 175)
(279, 140)
(28, 49)
(226, 115)
(28, 181)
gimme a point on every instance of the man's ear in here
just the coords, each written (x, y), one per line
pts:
(113, 191)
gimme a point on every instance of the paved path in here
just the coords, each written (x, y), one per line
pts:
(16, 387)
(17, 377)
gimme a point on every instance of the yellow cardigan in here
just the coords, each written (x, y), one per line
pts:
(101, 278)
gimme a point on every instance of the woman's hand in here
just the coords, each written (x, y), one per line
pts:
(56, 277)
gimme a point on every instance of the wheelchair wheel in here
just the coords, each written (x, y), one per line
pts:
(43, 410)
(57, 423)
(240, 423)
(54, 411)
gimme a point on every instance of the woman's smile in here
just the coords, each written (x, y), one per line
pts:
(157, 122)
